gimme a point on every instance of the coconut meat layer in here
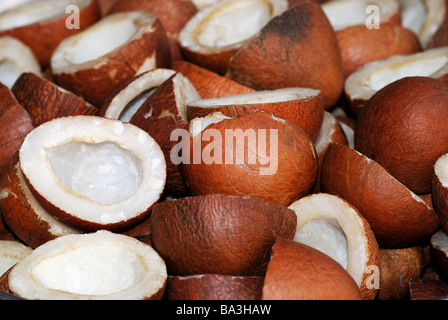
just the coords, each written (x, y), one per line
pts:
(134, 105)
(103, 172)
(233, 23)
(327, 236)
(389, 73)
(35, 11)
(9, 72)
(441, 170)
(100, 40)
(265, 96)
(90, 270)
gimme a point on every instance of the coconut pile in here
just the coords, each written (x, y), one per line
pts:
(224, 150)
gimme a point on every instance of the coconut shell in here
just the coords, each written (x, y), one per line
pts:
(48, 101)
(281, 56)
(218, 234)
(208, 83)
(214, 287)
(397, 217)
(300, 272)
(428, 289)
(95, 80)
(241, 170)
(403, 128)
(43, 37)
(356, 44)
(15, 124)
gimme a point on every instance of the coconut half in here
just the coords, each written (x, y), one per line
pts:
(362, 84)
(333, 226)
(12, 252)
(303, 106)
(94, 172)
(16, 58)
(97, 266)
(216, 32)
(95, 62)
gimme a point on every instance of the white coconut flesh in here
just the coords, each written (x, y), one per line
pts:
(37, 11)
(439, 240)
(101, 265)
(228, 23)
(99, 170)
(365, 82)
(11, 252)
(100, 39)
(434, 18)
(128, 101)
(441, 170)
(327, 223)
(413, 14)
(346, 13)
(15, 58)
(326, 132)
(263, 96)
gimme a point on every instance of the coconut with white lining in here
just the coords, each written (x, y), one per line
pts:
(16, 58)
(362, 84)
(97, 61)
(346, 13)
(94, 172)
(98, 266)
(129, 97)
(217, 31)
(43, 24)
(439, 188)
(333, 226)
(303, 106)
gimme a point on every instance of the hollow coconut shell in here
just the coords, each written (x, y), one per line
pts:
(299, 272)
(209, 84)
(47, 100)
(356, 44)
(402, 127)
(72, 145)
(302, 106)
(333, 226)
(45, 35)
(23, 214)
(214, 287)
(95, 79)
(162, 113)
(280, 55)
(277, 152)
(227, 235)
(397, 216)
(15, 124)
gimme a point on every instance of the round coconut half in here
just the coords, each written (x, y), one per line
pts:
(12, 252)
(299, 272)
(403, 128)
(218, 234)
(124, 102)
(397, 216)
(47, 100)
(96, 61)
(93, 172)
(346, 13)
(16, 58)
(250, 155)
(332, 225)
(23, 214)
(97, 266)
(43, 24)
(214, 287)
(303, 106)
(362, 84)
(214, 34)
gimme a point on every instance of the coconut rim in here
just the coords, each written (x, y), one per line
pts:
(358, 251)
(356, 86)
(21, 278)
(143, 22)
(36, 167)
(188, 35)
